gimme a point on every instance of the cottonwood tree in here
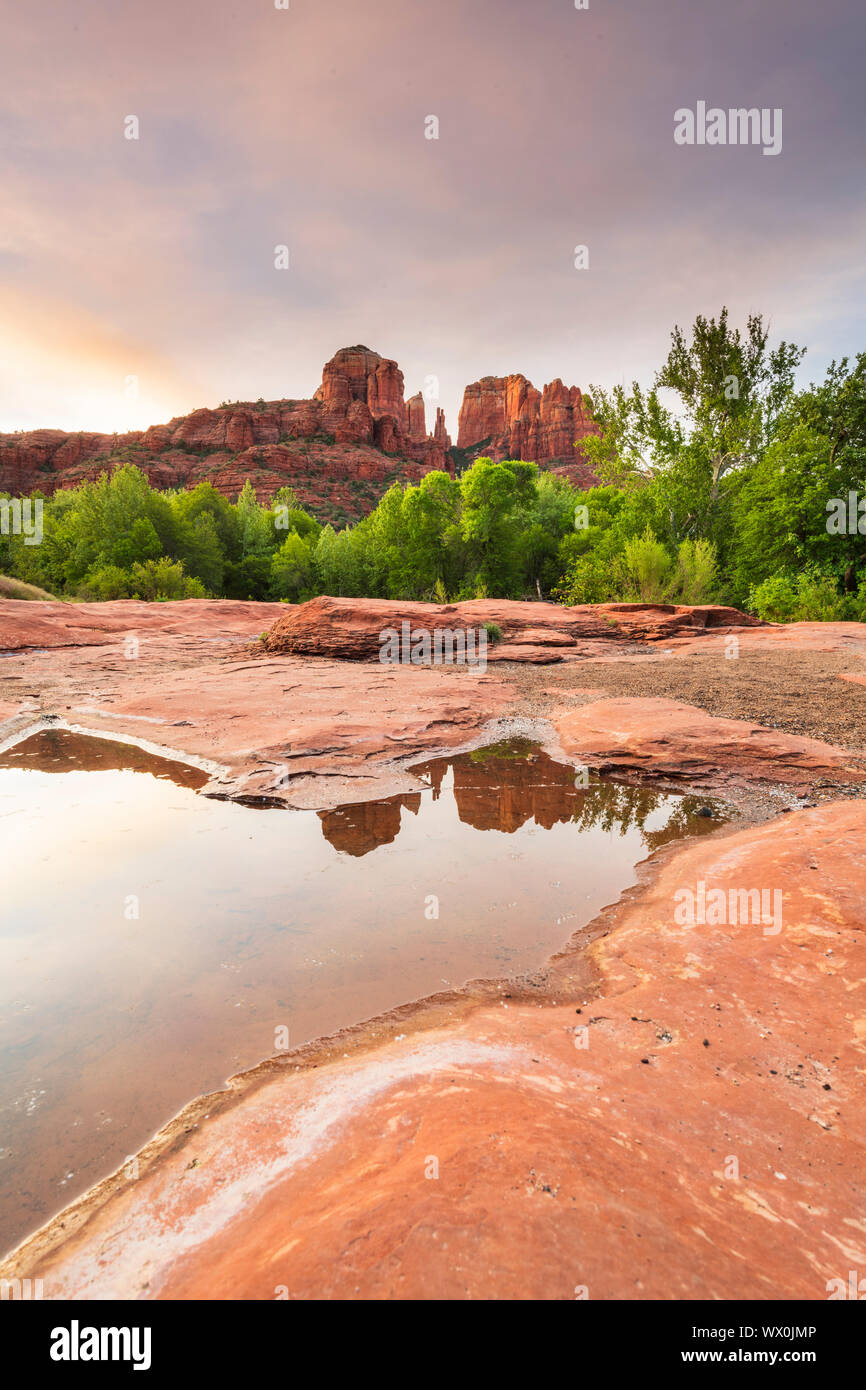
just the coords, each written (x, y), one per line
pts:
(728, 393)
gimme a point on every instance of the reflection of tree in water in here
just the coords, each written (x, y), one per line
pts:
(504, 786)
(615, 806)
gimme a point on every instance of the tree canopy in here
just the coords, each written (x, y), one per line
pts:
(719, 481)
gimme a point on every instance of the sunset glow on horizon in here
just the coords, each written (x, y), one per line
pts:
(153, 257)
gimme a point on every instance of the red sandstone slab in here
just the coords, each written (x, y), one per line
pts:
(693, 1132)
(668, 738)
(37, 624)
(543, 637)
(534, 655)
(353, 628)
(304, 732)
(801, 637)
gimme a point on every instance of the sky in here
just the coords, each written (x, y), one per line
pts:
(138, 277)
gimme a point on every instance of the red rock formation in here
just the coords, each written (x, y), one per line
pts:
(487, 407)
(416, 418)
(357, 429)
(511, 418)
(440, 434)
(664, 738)
(358, 374)
(339, 451)
(358, 379)
(351, 628)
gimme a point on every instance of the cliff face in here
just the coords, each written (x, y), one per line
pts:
(339, 451)
(361, 396)
(512, 419)
(358, 374)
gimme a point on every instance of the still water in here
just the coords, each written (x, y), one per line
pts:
(153, 941)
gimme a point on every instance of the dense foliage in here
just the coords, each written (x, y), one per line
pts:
(719, 482)
(497, 530)
(723, 480)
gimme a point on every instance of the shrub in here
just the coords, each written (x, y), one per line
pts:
(647, 564)
(774, 600)
(808, 597)
(105, 582)
(695, 576)
(494, 632)
(857, 604)
(643, 571)
(592, 578)
(163, 580)
(818, 599)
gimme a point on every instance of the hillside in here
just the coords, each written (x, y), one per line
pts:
(339, 451)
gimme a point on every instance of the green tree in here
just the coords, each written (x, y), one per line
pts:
(730, 393)
(292, 570)
(163, 579)
(491, 494)
(200, 550)
(257, 534)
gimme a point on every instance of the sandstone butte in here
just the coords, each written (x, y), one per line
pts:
(509, 418)
(565, 1170)
(339, 451)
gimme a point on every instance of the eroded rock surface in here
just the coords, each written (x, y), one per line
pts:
(672, 1111)
(509, 418)
(195, 683)
(44, 625)
(352, 628)
(664, 738)
(685, 1123)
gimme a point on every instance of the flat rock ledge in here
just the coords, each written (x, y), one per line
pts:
(665, 738)
(352, 628)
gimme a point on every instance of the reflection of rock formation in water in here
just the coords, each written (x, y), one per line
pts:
(502, 790)
(503, 793)
(358, 829)
(59, 750)
(504, 787)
